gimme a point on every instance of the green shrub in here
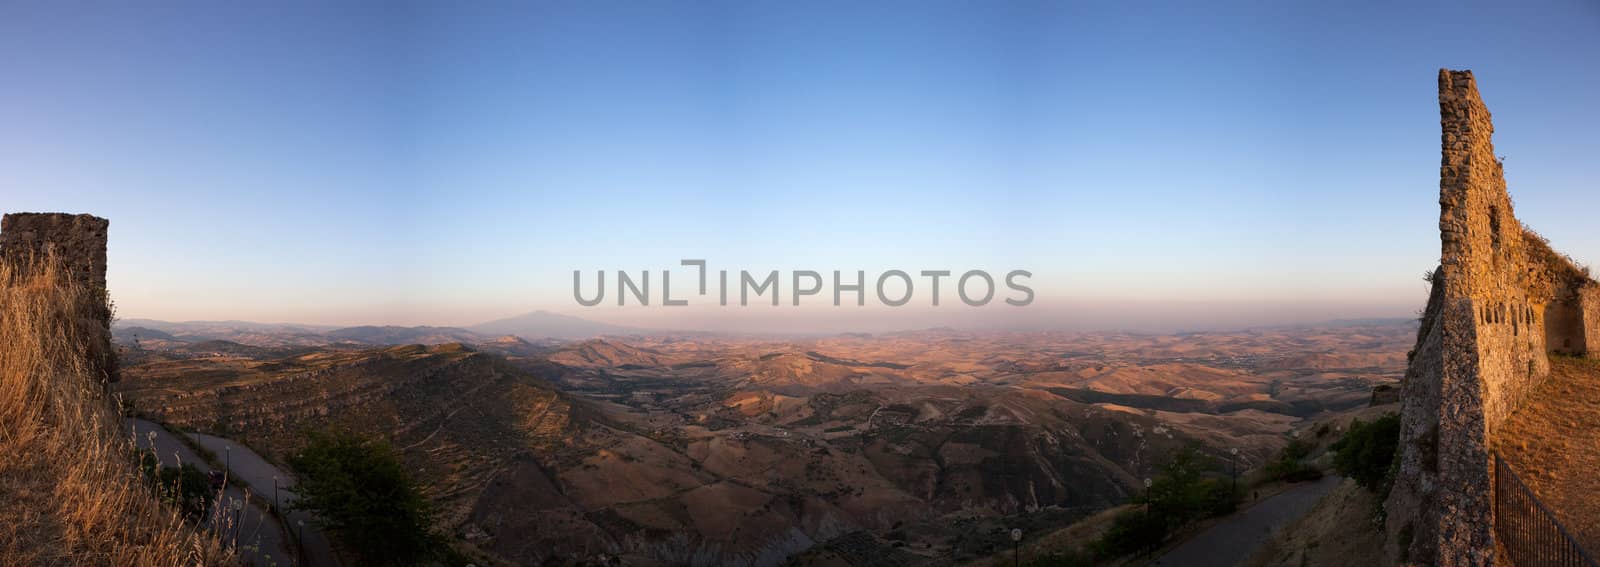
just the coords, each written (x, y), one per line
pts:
(1221, 498)
(1068, 558)
(185, 487)
(1366, 451)
(362, 494)
(1183, 491)
(1288, 466)
(1134, 531)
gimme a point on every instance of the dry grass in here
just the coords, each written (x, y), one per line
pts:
(1553, 444)
(70, 493)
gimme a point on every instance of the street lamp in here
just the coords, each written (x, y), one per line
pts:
(227, 458)
(1233, 466)
(238, 506)
(1016, 546)
(1147, 484)
(275, 493)
(300, 539)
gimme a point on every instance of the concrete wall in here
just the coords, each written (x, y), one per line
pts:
(1502, 298)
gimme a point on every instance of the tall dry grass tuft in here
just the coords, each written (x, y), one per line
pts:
(70, 491)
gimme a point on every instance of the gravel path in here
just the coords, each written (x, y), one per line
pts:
(1234, 539)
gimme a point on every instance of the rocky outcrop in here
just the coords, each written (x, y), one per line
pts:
(1501, 300)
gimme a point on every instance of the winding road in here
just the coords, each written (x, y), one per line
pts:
(1234, 539)
(262, 474)
(256, 533)
(259, 536)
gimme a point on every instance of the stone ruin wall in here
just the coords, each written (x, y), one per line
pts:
(79, 241)
(1498, 293)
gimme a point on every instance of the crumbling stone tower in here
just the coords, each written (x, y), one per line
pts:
(78, 241)
(1501, 300)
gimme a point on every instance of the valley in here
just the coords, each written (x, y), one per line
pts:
(921, 446)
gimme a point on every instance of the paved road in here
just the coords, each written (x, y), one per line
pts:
(260, 540)
(1237, 537)
(261, 474)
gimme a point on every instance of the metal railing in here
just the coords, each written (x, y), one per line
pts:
(1530, 534)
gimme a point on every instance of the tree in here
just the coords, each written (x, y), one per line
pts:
(1366, 451)
(1182, 492)
(185, 487)
(1132, 531)
(362, 494)
(1289, 467)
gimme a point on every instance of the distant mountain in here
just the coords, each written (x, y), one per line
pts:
(180, 328)
(391, 335)
(227, 348)
(127, 334)
(544, 324)
(244, 332)
(536, 327)
(602, 353)
(515, 346)
(1374, 322)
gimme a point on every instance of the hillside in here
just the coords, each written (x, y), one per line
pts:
(714, 450)
(547, 325)
(72, 495)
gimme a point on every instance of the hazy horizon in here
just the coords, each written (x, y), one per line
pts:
(1249, 163)
(1193, 319)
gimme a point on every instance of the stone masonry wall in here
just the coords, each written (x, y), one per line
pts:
(1482, 347)
(1589, 306)
(79, 241)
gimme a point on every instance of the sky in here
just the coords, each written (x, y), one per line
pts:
(1153, 165)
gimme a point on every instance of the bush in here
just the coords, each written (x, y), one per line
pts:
(1288, 466)
(1181, 493)
(361, 493)
(1366, 451)
(1220, 498)
(1134, 531)
(185, 487)
(1069, 558)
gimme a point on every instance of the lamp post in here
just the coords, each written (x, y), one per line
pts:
(300, 539)
(238, 507)
(1233, 466)
(227, 458)
(1147, 484)
(1016, 546)
(1147, 518)
(275, 494)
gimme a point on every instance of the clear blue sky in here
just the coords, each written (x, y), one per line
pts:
(447, 163)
